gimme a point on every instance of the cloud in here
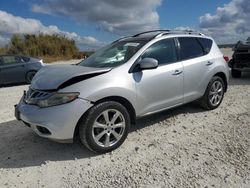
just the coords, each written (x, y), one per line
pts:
(10, 24)
(230, 23)
(184, 28)
(119, 17)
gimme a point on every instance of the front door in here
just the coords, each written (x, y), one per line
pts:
(160, 88)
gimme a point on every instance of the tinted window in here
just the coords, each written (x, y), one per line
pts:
(206, 44)
(190, 48)
(10, 59)
(164, 51)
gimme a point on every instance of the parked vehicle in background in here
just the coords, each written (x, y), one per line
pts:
(18, 69)
(248, 40)
(100, 97)
(240, 61)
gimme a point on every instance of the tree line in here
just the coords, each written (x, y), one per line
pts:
(48, 47)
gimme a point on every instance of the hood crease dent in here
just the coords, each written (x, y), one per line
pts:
(54, 77)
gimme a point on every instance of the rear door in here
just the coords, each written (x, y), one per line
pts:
(162, 87)
(13, 70)
(195, 58)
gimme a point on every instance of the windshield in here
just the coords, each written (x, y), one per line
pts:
(113, 55)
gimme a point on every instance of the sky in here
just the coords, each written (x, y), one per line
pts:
(94, 23)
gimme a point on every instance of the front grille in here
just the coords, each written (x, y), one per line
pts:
(32, 96)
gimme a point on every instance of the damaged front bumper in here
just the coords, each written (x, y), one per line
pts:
(57, 122)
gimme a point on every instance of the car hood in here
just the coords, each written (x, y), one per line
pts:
(54, 77)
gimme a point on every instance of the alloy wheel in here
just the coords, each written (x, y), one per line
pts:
(108, 128)
(216, 93)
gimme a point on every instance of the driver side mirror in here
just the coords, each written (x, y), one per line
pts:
(148, 63)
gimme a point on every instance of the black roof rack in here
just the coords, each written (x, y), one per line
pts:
(186, 32)
(161, 32)
(168, 31)
(152, 31)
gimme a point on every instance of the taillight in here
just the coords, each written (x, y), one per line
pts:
(226, 58)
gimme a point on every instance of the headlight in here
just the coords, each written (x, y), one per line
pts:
(57, 99)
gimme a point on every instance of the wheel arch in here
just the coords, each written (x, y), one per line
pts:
(29, 71)
(223, 77)
(123, 101)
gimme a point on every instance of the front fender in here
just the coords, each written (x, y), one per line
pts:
(107, 85)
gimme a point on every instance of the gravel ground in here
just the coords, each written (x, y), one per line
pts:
(182, 147)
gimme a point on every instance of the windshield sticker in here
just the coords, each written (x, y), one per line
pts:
(132, 44)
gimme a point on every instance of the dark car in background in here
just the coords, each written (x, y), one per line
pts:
(18, 69)
(241, 58)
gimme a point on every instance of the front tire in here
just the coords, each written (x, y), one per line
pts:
(105, 127)
(214, 94)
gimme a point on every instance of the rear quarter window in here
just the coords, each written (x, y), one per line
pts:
(206, 44)
(190, 48)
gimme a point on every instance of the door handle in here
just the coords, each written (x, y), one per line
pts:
(177, 72)
(209, 63)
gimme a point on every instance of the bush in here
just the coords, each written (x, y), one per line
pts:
(48, 47)
(3, 50)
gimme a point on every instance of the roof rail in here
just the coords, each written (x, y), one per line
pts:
(169, 31)
(158, 30)
(187, 32)
(162, 32)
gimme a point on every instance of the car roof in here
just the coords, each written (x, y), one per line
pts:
(149, 35)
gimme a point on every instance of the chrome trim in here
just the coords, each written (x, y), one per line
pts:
(32, 96)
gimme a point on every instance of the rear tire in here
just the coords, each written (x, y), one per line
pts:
(214, 94)
(29, 76)
(235, 73)
(105, 127)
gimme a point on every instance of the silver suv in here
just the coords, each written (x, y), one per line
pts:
(135, 76)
